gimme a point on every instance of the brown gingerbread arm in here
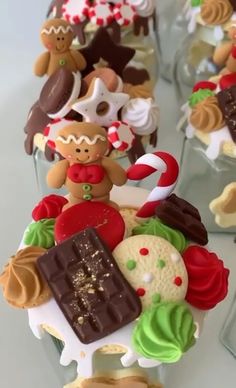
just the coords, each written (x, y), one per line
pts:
(57, 174)
(222, 53)
(115, 172)
(79, 59)
(41, 64)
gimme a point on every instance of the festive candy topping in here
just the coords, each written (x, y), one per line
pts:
(161, 263)
(156, 228)
(121, 136)
(204, 85)
(23, 286)
(100, 13)
(164, 332)
(196, 3)
(178, 281)
(124, 13)
(144, 251)
(227, 81)
(199, 96)
(49, 207)
(75, 11)
(40, 233)
(131, 264)
(208, 278)
(141, 292)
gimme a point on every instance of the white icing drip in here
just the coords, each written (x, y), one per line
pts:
(81, 139)
(142, 114)
(191, 15)
(57, 30)
(50, 314)
(217, 139)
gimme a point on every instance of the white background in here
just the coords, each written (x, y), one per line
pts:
(23, 359)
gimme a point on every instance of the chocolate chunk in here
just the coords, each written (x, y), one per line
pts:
(103, 47)
(233, 3)
(141, 24)
(181, 215)
(36, 122)
(56, 91)
(88, 286)
(134, 76)
(227, 103)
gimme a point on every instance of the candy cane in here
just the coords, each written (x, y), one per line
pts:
(147, 165)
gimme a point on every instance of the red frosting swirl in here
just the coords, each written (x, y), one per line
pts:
(49, 207)
(208, 278)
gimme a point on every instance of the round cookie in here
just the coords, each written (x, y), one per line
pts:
(153, 267)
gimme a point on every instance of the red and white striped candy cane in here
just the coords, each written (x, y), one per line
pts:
(147, 165)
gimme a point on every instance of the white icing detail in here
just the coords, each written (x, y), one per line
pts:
(75, 93)
(81, 139)
(120, 85)
(218, 33)
(192, 17)
(142, 114)
(57, 30)
(190, 131)
(148, 278)
(153, 161)
(175, 257)
(144, 8)
(217, 138)
(197, 332)
(148, 363)
(87, 106)
(128, 359)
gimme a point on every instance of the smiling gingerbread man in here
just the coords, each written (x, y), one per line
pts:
(86, 172)
(57, 36)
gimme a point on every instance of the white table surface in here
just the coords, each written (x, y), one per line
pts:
(23, 359)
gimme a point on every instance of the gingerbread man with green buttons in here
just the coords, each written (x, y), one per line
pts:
(86, 172)
(57, 36)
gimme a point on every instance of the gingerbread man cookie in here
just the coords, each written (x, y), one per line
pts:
(100, 105)
(57, 36)
(86, 173)
(224, 207)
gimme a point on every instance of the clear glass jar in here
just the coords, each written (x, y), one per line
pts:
(172, 29)
(103, 364)
(193, 61)
(202, 180)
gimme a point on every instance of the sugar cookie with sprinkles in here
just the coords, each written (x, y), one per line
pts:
(153, 267)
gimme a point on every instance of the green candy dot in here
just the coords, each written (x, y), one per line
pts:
(156, 298)
(131, 264)
(161, 263)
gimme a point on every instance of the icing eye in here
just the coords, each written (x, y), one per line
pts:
(78, 150)
(62, 38)
(58, 38)
(86, 150)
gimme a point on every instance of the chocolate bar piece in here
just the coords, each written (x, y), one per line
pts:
(233, 3)
(227, 103)
(181, 215)
(88, 286)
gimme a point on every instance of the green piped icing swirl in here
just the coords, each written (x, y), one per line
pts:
(41, 233)
(164, 332)
(196, 3)
(199, 96)
(155, 227)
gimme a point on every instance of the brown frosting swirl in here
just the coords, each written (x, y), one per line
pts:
(23, 286)
(216, 12)
(206, 116)
(138, 91)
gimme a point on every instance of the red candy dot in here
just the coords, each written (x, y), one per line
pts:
(140, 292)
(178, 281)
(144, 251)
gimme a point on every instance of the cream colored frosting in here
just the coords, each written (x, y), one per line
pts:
(23, 286)
(144, 8)
(206, 116)
(142, 115)
(216, 12)
(138, 91)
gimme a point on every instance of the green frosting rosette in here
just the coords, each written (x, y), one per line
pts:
(164, 332)
(199, 96)
(41, 233)
(196, 3)
(155, 227)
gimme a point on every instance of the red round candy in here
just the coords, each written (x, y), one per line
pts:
(178, 281)
(227, 81)
(204, 85)
(140, 292)
(105, 219)
(144, 251)
(49, 207)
